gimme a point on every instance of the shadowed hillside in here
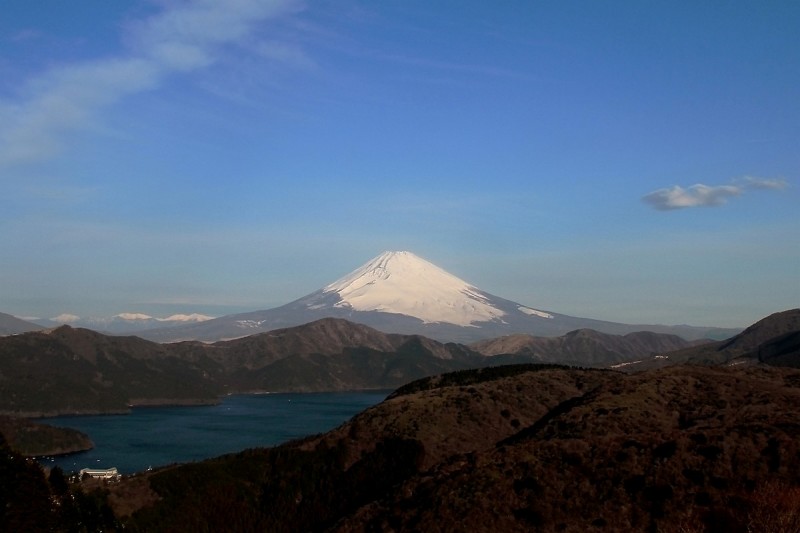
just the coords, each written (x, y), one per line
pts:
(550, 449)
(69, 370)
(31, 439)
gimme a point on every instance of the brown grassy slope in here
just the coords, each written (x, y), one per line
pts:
(679, 449)
(433, 424)
(460, 419)
(328, 337)
(684, 448)
(325, 337)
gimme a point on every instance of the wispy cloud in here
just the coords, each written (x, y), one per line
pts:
(185, 37)
(700, 195)
(775, 184)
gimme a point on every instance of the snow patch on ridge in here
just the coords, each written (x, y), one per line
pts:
(194, 317)
(65, 318)
(133, 316)
(249, 323)
(401, 282)
(534, 312)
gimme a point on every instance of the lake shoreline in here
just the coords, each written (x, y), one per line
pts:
(157, 435)
(136, 403)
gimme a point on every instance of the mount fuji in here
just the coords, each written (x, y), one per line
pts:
(399, 292)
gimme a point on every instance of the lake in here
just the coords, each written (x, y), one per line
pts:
(157, 436)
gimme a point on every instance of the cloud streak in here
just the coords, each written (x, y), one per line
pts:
(700, 195)
(762, 183)
(181, 39)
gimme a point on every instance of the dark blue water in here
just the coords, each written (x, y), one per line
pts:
(157, 436)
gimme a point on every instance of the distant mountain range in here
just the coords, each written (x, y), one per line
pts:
(399, 292)
(68, 370)
(774, 340)
(122, 323)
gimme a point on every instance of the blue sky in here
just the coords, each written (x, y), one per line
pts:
(629, 161)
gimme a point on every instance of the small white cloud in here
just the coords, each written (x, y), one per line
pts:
(65, 318)
(699, 195)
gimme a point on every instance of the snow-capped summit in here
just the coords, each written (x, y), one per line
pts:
(399, 292)
(403, 283)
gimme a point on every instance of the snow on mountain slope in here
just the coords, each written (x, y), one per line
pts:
(194, 317)
(125, 322)
(403, 283)
(399, 292)
(534, 312)
(132, 316)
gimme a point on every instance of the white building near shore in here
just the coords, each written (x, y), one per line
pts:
(100, 473)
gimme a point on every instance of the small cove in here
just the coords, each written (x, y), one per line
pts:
(157, 436)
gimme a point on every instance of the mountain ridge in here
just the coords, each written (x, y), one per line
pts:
(67, 370)
(74, 370)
